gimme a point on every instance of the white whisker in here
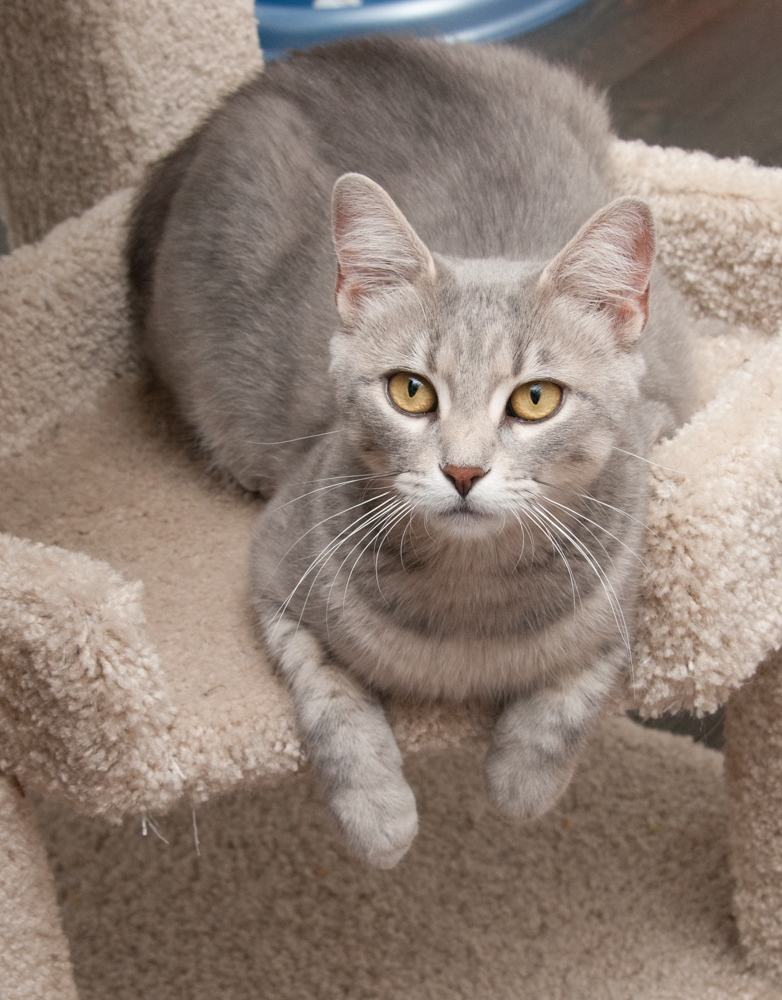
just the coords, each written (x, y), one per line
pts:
(602, 503)
(359, 524)
(608, 588)
(306, 437)
(402, 540)
(320, 489)
(657, 465)
(610, 534)
(381, 514)
(524, 532)
(325, 519)
(533, 515)
(345, 475)
(397, 519)
(377, 533)
(325, 551)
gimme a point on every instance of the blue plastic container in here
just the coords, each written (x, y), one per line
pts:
(297, 24)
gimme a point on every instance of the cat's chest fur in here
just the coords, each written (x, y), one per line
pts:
(400, 658)
(461, 621)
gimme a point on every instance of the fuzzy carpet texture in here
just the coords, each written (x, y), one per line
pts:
(623, 891)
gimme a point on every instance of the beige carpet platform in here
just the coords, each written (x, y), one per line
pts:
(622, 893)
(132, 688)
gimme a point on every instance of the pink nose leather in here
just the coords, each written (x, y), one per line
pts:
(463, 478)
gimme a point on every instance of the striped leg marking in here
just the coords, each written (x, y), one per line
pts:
(350, 744)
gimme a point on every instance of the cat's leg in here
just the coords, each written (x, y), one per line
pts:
(350, 744)
(537, 738)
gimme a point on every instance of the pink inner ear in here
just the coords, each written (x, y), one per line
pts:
(377, 248)
(346, 219)
(632, 313)
(356, 282)
(350, 289)
(608, 265)
(635, 309)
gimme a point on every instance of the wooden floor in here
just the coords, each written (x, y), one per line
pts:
(701, 74)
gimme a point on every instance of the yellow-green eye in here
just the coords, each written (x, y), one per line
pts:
(412, 393)
(535, 400)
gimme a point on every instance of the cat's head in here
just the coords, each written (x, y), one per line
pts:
(475, 383)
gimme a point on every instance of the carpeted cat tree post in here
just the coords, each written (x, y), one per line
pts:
(91, 91)
(118, 700)
(753, 769)
(34, 959)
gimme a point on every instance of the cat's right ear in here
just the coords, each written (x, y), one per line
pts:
(377, 248)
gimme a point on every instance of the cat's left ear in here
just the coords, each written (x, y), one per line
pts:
(607, 266)
(377, 248)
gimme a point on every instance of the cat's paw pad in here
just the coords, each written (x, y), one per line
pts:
(521, 790)
(380, 823)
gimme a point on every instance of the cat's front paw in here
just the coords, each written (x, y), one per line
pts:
(520, 786)
(379, 821)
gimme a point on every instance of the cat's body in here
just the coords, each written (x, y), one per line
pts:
(463, 551)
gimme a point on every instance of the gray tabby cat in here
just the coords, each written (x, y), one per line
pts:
(450, 446)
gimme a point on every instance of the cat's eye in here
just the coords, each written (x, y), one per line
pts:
(535, 400)
(412, 393)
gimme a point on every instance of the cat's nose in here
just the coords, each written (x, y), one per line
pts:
(463, 478)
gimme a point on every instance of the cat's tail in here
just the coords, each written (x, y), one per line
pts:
(148, 220)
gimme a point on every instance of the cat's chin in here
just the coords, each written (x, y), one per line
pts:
(466, 522)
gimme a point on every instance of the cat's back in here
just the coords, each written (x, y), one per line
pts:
(488, 151)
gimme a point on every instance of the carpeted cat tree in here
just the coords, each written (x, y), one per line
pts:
(127, 699)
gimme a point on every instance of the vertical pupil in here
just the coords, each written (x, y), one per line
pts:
(535, 392)
(413, 386)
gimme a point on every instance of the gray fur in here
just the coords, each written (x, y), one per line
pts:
(371, 574)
